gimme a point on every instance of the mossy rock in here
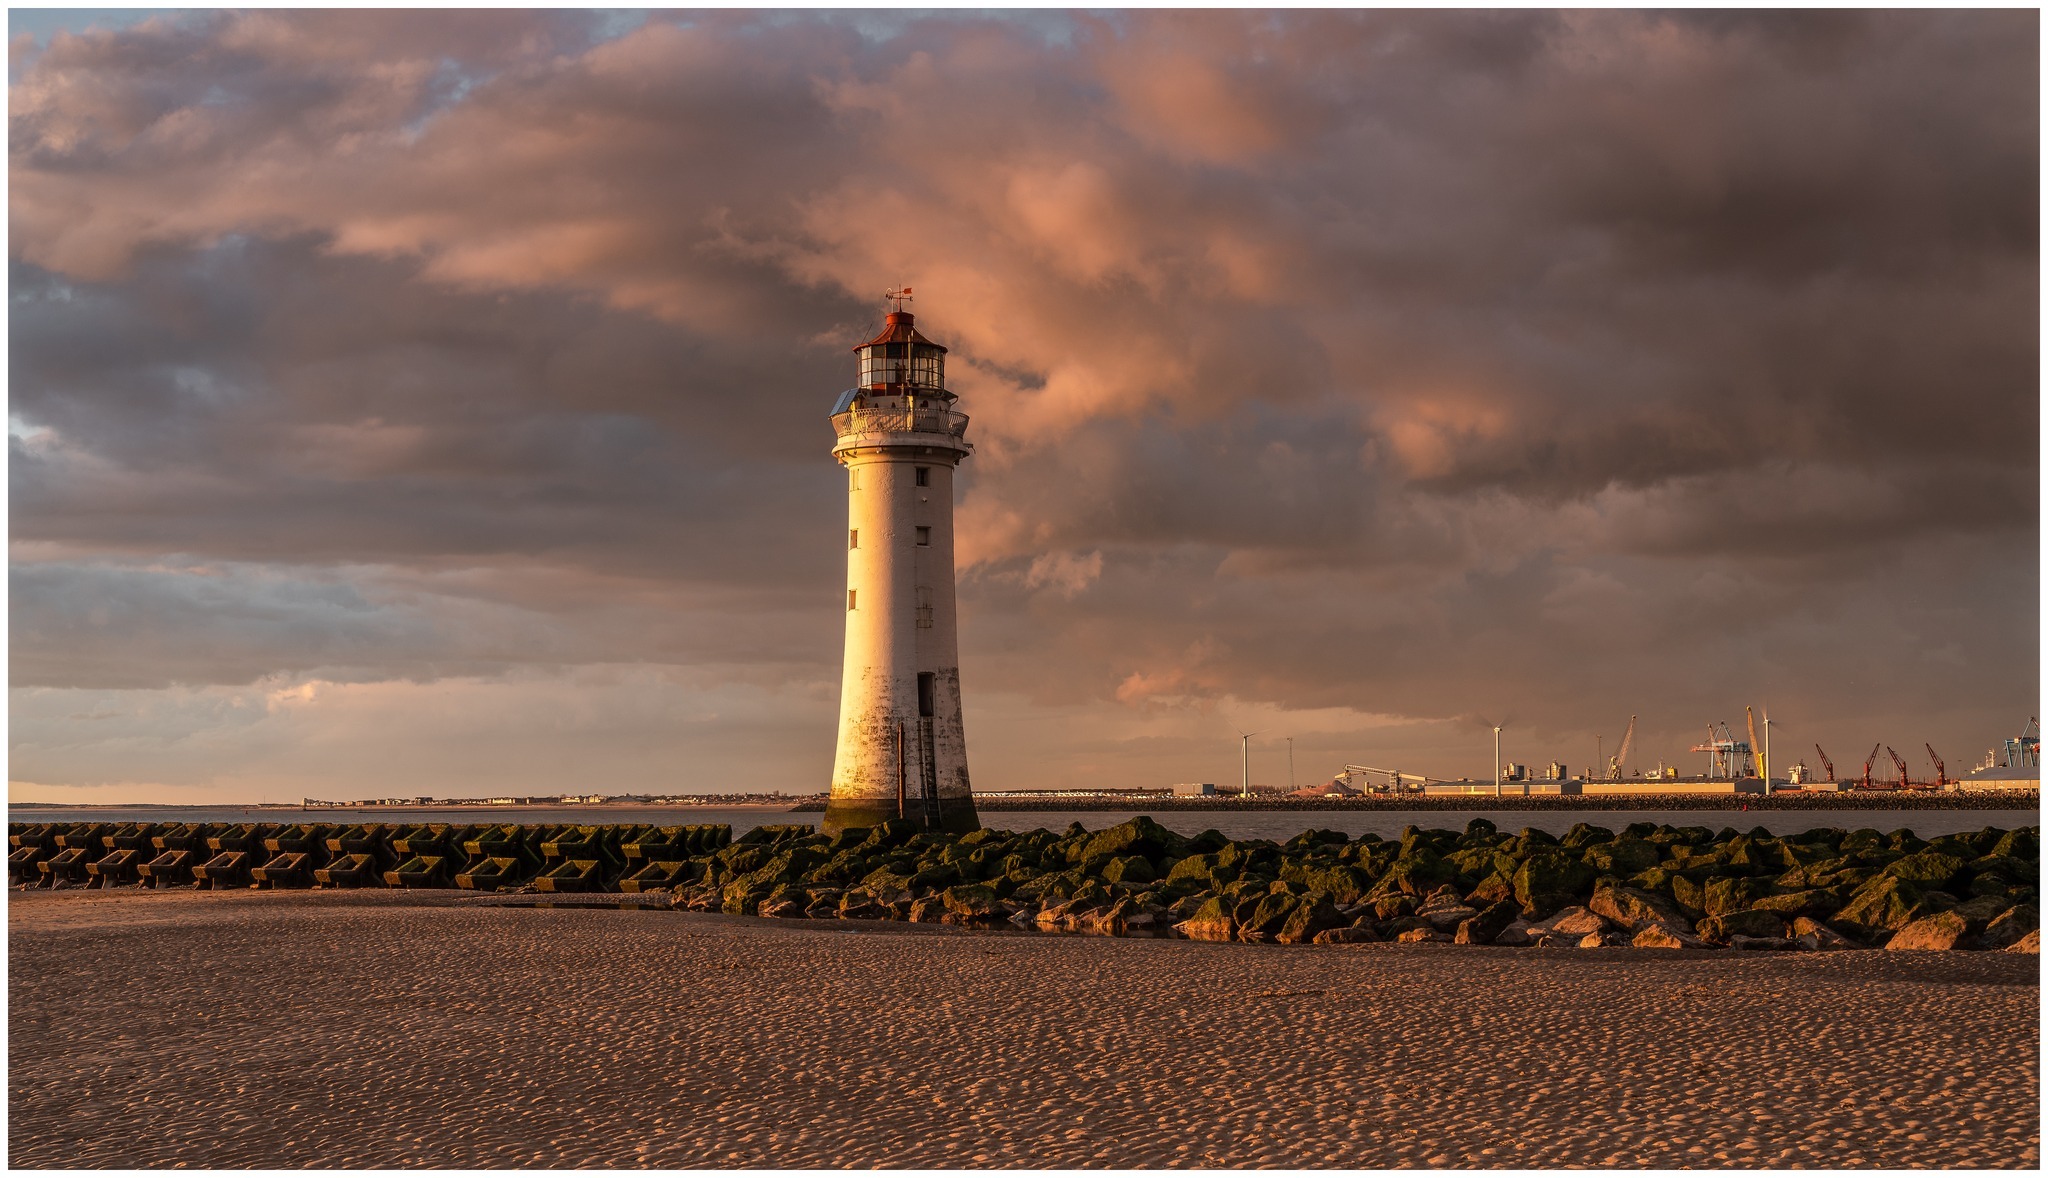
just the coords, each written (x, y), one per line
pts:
(1311, 915)
(936, 877)
(1267, 915)
(1139, 836)
(1194, 868)
(1759, 856)
(1750, 923)
(1927, 869)
(1585, 834)
(973, 901)
(1731, 894)
(1550, 880)
(1480, 828)
(1622, 857)
(1885, 904)
(1494, 889)
(1418, 872)
(1690, 895)
(2006, 865)
(1815, 902)
(1130, 869)
(2024, 843)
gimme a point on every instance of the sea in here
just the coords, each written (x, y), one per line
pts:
(1278, 825)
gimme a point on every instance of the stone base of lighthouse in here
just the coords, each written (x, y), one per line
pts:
(956, 816)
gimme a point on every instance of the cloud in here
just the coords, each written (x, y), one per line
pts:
(1406, 364)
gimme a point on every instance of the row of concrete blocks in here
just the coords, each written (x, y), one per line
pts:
(370, 854)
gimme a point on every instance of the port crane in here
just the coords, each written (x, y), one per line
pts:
(1727, 757)
(1825, 764)
(1620, 757)
(1869, 761)
(1940, 770)
(1905, 779)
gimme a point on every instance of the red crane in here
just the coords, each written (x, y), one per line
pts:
(1940, 770)
(1904, 778)
(1868, 762)
(1826, 764)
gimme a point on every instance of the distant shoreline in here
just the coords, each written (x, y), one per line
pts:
(2016, 800)
(990, 804)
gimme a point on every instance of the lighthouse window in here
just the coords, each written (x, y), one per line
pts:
(853, 537)
(924, 476)
(927, 690)
(924, 537)
(850, 599)
(853, 478)
(924, 607)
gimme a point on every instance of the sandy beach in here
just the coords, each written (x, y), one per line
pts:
(395, 1029)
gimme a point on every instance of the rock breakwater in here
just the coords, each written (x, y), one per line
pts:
(1647, 886)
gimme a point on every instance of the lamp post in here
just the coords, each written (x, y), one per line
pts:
(1767, 754)
(1496, 760)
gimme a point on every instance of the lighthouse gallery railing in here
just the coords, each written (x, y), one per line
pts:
(882, 421)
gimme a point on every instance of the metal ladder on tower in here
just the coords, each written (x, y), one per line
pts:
(928, 773)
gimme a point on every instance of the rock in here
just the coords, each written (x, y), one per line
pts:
(973, 902)
(2010, 927)
(1632, 909)
(1492, 890)
(1311, 916)
(1727, 895)
(1417, 872)
(1445, 911)
(782, 909)
(1774, 944)
(928, 910)
(1575, 922)
(1927, 870)
(1943, 930)
(1268, 915)
(1658, 936)
(1549, 880)
(1812, 934)
(1884, 904)
(1623, 857)
(1393, 907)
(1352, 935)
(1980, 911)
(1419, 936)
(1750, 923)
(1482, 927)
(1106, 922)
(2031, 943)
(854, 906)
(1690, 897)
(1515, 935)
(2023, 843)
(1130, 869)
(1794, 904)
(1211, 922)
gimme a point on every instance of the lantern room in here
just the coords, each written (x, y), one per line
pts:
(901, 362)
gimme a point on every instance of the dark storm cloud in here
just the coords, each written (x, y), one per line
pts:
(1380, 360)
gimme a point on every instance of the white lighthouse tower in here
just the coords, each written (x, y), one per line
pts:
(902, 747)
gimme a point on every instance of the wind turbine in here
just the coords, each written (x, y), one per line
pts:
(1246, 790)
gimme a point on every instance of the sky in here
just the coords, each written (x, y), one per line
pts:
(411, 402)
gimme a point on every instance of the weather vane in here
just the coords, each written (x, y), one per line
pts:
(898, 297)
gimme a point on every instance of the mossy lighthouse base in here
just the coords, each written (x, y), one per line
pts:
(902, 751)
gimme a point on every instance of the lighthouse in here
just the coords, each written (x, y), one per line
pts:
(902, 746)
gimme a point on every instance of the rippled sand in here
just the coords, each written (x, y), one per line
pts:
(382, 1029)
